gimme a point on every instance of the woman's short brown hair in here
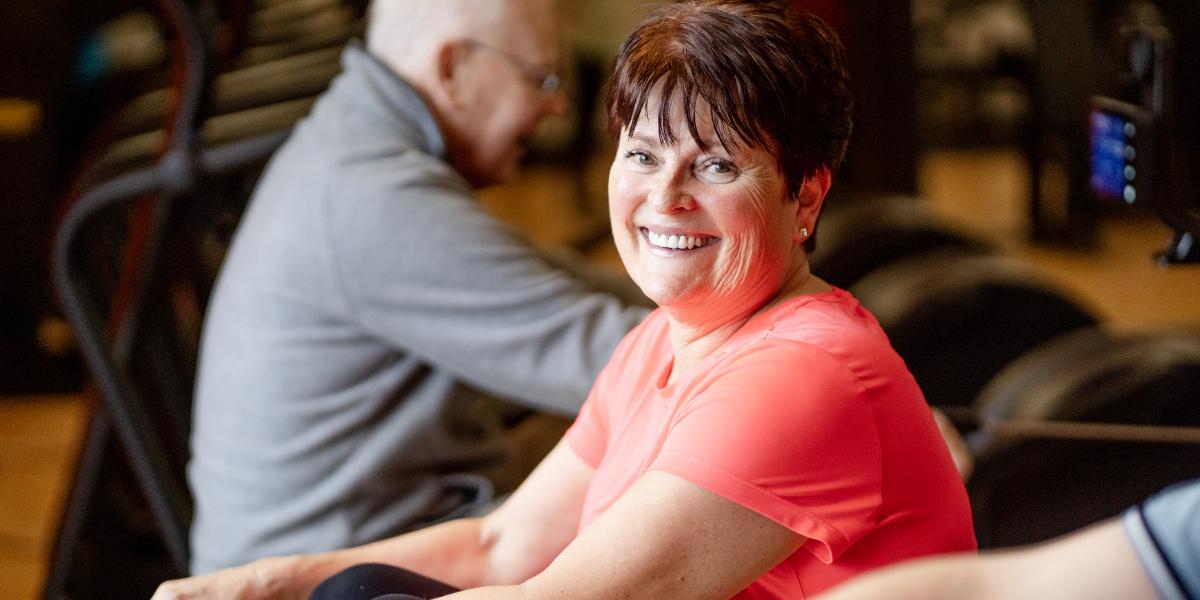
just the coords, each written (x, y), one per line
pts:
(772, 74)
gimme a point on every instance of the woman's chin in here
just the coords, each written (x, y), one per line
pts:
(672, 294)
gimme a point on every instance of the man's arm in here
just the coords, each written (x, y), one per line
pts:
(1096, 563)
(428, 269)
(509, 546)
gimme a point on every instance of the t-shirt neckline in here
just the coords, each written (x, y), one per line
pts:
(665, 388)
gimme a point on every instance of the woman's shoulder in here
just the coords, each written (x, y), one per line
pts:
(830, 320)
(832, 324)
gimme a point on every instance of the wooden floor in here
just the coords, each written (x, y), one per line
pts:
(38, 441)
(983, 191)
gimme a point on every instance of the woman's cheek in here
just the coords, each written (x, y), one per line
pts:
(748, 257)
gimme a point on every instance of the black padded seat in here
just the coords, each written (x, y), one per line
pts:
(295, 77)
(142, 149)
(857, 235)
(328, 37)
(957, 320)
(1033, 481)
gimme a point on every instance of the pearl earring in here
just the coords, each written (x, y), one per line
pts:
(803, 232)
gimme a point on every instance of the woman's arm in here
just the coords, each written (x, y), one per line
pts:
(453, 544)
(512, 544)
(664, 538)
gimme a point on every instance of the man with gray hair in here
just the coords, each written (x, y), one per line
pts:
(368, 305)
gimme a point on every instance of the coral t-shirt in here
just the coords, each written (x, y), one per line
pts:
(805, 415)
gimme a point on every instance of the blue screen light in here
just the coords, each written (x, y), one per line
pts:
(1112, 177)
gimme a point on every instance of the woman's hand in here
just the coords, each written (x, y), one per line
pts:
(254, 581)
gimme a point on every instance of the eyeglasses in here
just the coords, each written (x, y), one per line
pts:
(539, 76)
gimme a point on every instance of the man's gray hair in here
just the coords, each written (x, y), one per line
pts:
(404, 30)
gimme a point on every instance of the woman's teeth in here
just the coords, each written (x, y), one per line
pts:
(677, 242)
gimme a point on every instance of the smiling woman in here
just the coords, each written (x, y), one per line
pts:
(756, 385)
(756, 437)
(730, 203)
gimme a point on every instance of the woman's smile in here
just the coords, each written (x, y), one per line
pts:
(668, 243)
(700, 226)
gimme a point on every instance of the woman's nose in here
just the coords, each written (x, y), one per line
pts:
(668, 194)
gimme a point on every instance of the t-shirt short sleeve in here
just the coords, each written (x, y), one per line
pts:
(1165, 532)
(588, 434)
(786, 431)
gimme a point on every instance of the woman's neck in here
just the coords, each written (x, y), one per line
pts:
(694, 339)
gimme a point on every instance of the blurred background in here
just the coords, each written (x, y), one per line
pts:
(1017, 209)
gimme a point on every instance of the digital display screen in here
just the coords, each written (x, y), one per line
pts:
(1114, 149)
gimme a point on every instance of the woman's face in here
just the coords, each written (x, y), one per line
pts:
(707, 230)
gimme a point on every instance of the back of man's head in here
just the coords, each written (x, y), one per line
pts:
(484, 67)
(406, 33)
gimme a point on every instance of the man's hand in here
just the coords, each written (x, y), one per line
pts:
(254, 581)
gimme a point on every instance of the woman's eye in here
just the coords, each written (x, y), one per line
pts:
(640, 158)
(719, 170)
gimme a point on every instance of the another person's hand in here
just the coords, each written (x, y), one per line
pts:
(252, 581)
(963, 461)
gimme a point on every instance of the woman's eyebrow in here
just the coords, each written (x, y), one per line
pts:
(653, 140)
(644, 138)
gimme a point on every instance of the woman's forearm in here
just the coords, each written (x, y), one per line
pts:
(453, 552)
(514, 543)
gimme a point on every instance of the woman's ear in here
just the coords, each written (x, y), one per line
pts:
(808, 202)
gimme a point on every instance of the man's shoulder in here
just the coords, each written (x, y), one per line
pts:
(315, 160)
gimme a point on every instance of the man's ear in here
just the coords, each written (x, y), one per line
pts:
(809, 200)
(449, 58)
